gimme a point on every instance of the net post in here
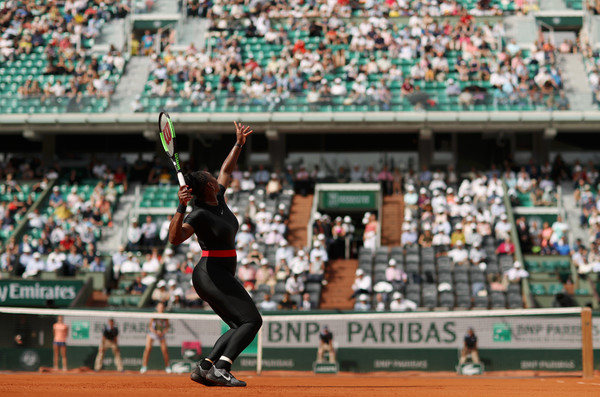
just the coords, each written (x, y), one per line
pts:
(259, 352)
(587, 349)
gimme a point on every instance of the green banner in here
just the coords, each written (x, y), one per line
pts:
(342, 199)
(38, 292)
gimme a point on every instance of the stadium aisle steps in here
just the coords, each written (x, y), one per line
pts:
(299, 218)
(97, 299)
(392, 215)
(340, 276)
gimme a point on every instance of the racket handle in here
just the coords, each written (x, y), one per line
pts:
(181, 179)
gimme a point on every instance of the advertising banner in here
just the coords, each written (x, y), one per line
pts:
(38, 292)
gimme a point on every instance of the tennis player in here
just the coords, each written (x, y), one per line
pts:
(214, 276)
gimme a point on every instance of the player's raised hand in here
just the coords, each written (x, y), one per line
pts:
(184, 194)
(241, 132)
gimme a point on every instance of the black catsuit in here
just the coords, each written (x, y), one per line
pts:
(214, 278)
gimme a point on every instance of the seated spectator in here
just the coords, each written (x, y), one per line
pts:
(305, 304)
(286, 303)
(401, 304)
(459, 254)
(267, 304)
(136, 287)
(562, 247)
(151, 263)
(362, 284)
(496, 285)
(160, 293)
(395, 275)
(130, 265)
(515, 273)
(294, 285)
(362, 303)
(247, 273)
(506, 247)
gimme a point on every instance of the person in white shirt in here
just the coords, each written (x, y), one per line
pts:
(399, 304)
(171, 263)
(130, 265)
(299, 263)
(247, 183)
(163, 234)
(118, 258)
(284, 251)
(134, 236)
(294, 284)
(459, 254)
(516, 273)
(362, 303)
(362, 283)
(245, 236)
(151, 264)
(149, 233)
(35, 265)
(502, 228)
(318, 250)
(477, 254)
(305, 304)
(55, 260)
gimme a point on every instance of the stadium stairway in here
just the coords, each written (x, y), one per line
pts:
(131, 84)
(299, 218)
(392, 216)
(340, 276)
(192, 30)
(578, 89)
(113, 237)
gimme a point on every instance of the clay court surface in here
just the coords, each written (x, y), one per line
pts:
(296, 384)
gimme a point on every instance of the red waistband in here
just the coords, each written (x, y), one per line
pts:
(220, 253)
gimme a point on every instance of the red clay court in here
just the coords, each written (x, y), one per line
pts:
(300, 384)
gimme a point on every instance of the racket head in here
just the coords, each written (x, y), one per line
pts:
(166, 132)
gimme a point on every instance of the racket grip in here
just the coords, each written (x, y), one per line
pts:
(181, 179)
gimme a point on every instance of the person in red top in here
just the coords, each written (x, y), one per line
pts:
(60, 331)
(506, 247)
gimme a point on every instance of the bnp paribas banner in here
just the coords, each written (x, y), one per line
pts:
(372, 332)
(509, 332)
(38, 292)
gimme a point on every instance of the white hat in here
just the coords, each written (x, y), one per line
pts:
(246, 174)
(235, 209)
(262, 205)
(476, 243)
(26, 249)
(300, 253)
(55, 188)
(283, 243)
(459, 242)
(360, 272)
(363, 297)
(483, 266)
(405, 226)
(423, 191)
(281, 206)
(254, 246)
(277, 218)
(264, 262)
(397, 295)
(161, 284)
(517, 264)
(392, 262)
(168, 251)
(171, 282)
(245, 227)
(321, 236)
(444, 287)
(503, 217)
(36, 255)
(458, 226)
(426, 226)
(410, 188)
(347, 219)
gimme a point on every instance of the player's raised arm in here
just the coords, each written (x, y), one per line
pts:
(241, 133)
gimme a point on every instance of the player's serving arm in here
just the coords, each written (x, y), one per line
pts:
(214, 275)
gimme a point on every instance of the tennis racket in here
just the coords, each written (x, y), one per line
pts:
(167, 137)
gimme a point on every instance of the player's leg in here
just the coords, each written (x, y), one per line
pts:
(117, 354)
(63, 353)
(165, 354)
(146, 355)
(99, 357)
(55, 356)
